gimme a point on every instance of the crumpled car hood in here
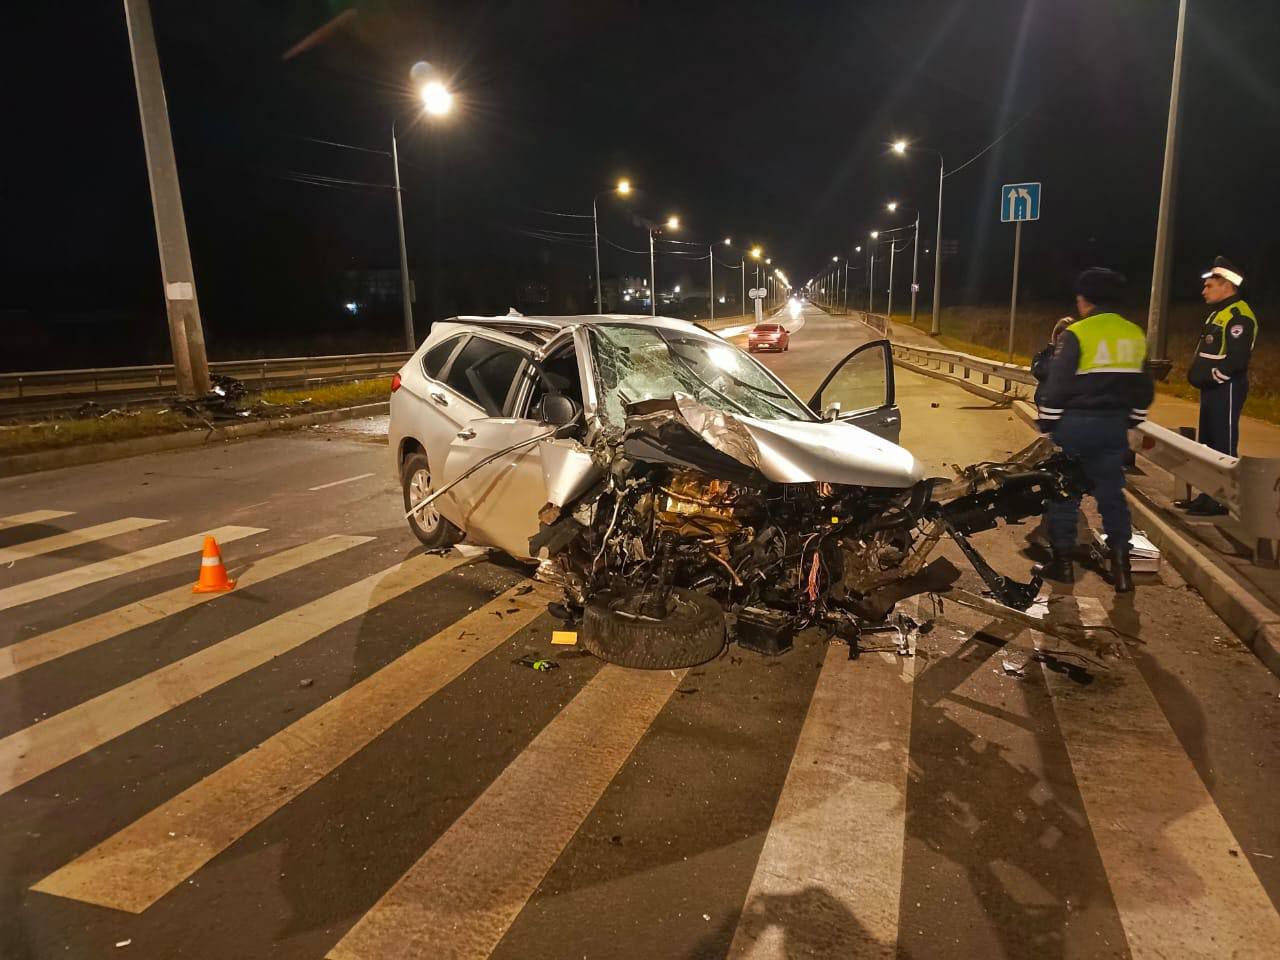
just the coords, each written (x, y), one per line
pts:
(785, 451)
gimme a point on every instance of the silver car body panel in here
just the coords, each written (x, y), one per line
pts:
(499, 504)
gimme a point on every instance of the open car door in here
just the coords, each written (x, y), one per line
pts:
(860, 390)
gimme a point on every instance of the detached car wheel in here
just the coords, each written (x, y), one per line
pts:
(427, 524)
(692, 632)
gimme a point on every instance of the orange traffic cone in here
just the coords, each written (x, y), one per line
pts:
(213, 575)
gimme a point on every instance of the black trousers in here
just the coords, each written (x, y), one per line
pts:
(1220, 407)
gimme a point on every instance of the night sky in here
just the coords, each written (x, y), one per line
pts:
(767, 122)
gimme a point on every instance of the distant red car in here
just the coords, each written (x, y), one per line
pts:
(768, 336)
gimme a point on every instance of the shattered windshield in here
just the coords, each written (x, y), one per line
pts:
(646, 363)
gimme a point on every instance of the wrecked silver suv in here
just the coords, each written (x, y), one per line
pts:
(679, 492)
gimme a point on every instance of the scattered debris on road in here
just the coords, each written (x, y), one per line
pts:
(540, 664)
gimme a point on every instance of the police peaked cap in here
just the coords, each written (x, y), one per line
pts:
(1224, 268)
(1100, 285)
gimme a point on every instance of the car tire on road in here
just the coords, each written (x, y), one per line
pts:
(692, 634)
(433, 530)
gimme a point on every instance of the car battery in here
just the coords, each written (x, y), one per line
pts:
(764, 631)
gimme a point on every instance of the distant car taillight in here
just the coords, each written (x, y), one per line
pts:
(395, 382)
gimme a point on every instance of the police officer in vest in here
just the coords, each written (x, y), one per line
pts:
(1220, 370)
(1099, 385)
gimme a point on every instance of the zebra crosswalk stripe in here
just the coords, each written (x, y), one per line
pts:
(32, 516)
(37, 749)
(460, 898)
(1165, 847)
(74, 538)
(137, 866)
(44, 647)
(81, 576)
(839, 826)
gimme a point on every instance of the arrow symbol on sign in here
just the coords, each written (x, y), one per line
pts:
(1013, 195)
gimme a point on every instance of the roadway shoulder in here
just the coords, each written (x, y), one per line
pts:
(42, 460)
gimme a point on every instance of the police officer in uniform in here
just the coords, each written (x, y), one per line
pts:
(1099, 385)
(1220, 370)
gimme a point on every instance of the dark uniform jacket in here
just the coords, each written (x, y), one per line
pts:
(1100, 365)
(1226, 343)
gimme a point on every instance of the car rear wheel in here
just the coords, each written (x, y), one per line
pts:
(432, 529)
(692, 632)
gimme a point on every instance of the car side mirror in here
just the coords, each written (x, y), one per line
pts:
(558, 410)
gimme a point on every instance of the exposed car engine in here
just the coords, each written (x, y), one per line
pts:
(680, 531)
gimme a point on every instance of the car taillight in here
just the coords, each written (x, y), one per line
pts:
(395, 382)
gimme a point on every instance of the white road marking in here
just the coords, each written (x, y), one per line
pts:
(42, 747)
(44, 647)
(137, 866)
(840, 822)
(1165, 847)
(74, 538)
(335, 483)
(460, 898)
(33, 516)
(115, 566)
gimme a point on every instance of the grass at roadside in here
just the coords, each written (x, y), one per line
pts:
(984, 332)
(55, 434)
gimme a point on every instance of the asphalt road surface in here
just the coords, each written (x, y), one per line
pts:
(340, 758)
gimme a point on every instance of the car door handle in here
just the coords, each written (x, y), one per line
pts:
(466, 434)
(439, 398)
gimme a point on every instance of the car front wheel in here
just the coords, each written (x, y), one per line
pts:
(427, 524)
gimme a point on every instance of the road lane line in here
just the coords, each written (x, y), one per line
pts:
(32, 516)
(115, 566)
(36, 650)
(461, 897)
(74, 538)
(1165, 847)
(839, 827)
(137, 866)
(335, 483)
(39, 748)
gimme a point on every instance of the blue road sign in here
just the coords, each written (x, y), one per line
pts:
(1019, 201)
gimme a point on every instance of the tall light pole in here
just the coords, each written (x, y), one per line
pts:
(186, 332)
(622, 188)
(673, 223)
(871, 279)
(1157, 325)
(892, 206)
(900, 148)
(436, 102)
(711, 265)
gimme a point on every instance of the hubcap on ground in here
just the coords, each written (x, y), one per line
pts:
(428, 518)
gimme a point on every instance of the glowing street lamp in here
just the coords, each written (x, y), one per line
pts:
(891, 206)
(436, 98)
(900, 147)
(624, 187)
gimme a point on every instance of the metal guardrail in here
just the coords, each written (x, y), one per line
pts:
(1248, 486)
(876, 321)
(48, 384)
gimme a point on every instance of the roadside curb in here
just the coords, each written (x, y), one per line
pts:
(42, 460)
(1252, 620)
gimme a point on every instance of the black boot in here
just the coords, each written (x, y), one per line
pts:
(1121, 574)
(1060, 569)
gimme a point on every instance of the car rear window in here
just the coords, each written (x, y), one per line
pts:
(434, 360)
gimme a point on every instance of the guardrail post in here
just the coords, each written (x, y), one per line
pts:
(1190, 434)
(19, 387)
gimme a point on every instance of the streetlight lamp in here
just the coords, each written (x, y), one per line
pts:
(900, 148)
(436, 102)
(621, 188)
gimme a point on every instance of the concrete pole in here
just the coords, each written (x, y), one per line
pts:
(893, 252)
(186, 332)
(936, 326)
(711, 298)
(1158, 311)
(653, 279)
(743, 268)
(411, 342)
(871, 285)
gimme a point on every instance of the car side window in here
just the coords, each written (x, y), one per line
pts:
(434, 360)
(483, 373)
(560, 370)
